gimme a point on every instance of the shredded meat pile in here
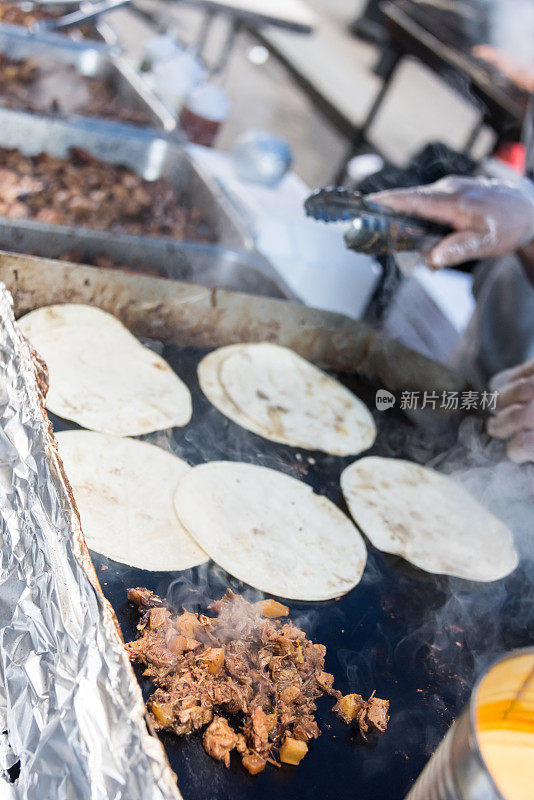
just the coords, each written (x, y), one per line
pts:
(32, 85)
(16, 14)
(82, 190)
(247, 663)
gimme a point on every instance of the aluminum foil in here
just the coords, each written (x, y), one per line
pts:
(71, 710)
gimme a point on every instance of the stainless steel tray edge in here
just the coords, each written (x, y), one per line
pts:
(139, 86)
(207, 265)
(234, 219)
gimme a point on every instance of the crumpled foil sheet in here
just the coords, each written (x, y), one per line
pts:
(71, 710)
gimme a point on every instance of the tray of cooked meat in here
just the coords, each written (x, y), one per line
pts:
(24, 15)
(59, 177)
(58, 76)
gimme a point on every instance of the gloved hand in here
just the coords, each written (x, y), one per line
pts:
(514, 419)
(491, 218)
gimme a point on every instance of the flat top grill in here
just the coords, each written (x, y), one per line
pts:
(417, 639)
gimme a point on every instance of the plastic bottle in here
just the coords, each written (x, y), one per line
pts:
(206, 108)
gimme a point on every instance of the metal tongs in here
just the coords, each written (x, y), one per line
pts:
(79, 17)
(375, 230)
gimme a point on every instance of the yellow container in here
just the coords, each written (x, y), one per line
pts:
(504, 724)
(488, 754)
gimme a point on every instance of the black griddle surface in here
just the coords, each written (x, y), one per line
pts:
(417, 639)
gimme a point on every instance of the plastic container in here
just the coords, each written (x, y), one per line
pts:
(205, 109)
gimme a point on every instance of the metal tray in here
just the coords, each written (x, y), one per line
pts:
(90, 60)
(101, 34)
(207, 265)
(399, 632)
(149, 153)
(103, 37)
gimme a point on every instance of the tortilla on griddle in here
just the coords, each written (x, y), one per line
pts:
(208, 378)
(428, 519)
(124, 491)
(43, 320)
(101, 376)
(271, 531)
(275, 393)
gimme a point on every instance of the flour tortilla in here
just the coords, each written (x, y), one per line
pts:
(271, 531)
(45, 319)
(428, 519)
(124, 491)
(208, 377)
(102, 378)
(279, 395)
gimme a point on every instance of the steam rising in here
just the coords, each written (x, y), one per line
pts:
(475, 623)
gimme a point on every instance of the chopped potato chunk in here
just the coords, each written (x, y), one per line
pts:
(350, 705)
(293, 751)
(289, 694)
(187, 624)
(273, 609)
(214, 660)
(254, 763)
(163, 713)
(158, 617)
(270, 721)
(181, 644)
